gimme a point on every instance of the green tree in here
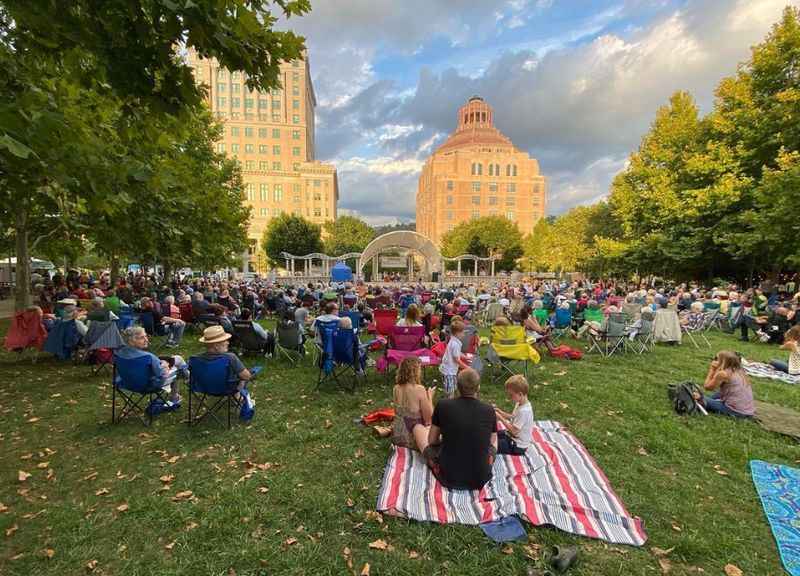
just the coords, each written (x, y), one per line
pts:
(292, 234)
(486, 236)
(346, 234)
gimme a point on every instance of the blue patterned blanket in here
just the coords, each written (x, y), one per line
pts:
(779, 490)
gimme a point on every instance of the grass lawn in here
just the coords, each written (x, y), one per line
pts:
(295, 489)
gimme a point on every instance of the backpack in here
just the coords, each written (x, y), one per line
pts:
(682, 398)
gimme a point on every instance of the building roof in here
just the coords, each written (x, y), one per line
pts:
(475, 127)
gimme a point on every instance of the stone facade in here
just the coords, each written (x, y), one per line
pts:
(272, 135)
(478, 172)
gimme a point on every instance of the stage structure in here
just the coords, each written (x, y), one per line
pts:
(413, 244)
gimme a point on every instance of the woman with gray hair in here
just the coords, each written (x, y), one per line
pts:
(163, 371)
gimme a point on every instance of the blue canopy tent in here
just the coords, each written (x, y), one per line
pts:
(341, 272)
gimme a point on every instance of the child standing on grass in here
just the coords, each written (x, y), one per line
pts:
(517, 436)
(452, 361)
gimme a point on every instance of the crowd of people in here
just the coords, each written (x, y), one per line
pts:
(458, 435)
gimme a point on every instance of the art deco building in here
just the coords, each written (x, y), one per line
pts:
(272, 135)
(478, 172)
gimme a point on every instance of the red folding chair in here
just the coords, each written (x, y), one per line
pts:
(384, 321)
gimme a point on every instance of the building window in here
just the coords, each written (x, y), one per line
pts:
(263, 149)
(295, 76)
(236, 76)
(276, 165)
(277, 211)
(492, 200)
(276, 104)
(262, 103)
(221, 147)
(295, 104)
(249, 148)
(449, 184)
(263, 192)
(221, 74)
(317, 182)
(248, 103)
(234, 130)
(262, 132)
(535, 201)
(295, 90)
(276, 117)
(477, 168)
(296, 189)
(476, 186)
(251, 192)
(514, 170)
(248, 131)
(263, 165)
(295, 119)
(492, 186)
(295, 151)
(510, 201)
(222, 88)
(296, 198)
(449, 200)
(510, 215)
(277, 193)
(449, 214)
(221, 102)
(264, 211)
(511, 188)
(276, 150)
(295, 134)
(491, 170)
(476, 213)
(317, 212)
(508, 169)
(476, 200)
(276, 92)
(236, 103)
(235, 148)
(249, 165)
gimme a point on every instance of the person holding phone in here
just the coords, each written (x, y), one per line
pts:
(734, 395)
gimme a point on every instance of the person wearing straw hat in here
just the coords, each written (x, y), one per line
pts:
(216, 341)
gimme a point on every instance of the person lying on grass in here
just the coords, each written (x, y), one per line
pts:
(791, 342)
(734, 395)
(163, 372)
(462, 441)
(516, 438)
(413, 405)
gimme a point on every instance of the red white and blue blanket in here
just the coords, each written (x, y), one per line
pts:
(556, 482)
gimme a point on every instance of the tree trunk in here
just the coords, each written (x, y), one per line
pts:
(22, 294)
(167, 272)
(114, 270)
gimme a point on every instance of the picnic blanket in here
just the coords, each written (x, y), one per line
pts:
(761, 370)
(778, 419)
(779, 490)
(556, 482)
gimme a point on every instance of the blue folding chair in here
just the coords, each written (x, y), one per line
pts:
(133, 380)
(63, 340)
(211, 388)
(355, 319)
(342, 359)
(562, 323)
(126, 319)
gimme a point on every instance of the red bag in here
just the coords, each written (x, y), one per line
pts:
(383, 414)
(566, 353)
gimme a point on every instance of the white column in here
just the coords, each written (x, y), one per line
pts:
(459, 267)
(492, 267)
(476, 266)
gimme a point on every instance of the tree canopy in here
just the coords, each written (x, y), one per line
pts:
(346, 234)
(293, 234)
(485, 236)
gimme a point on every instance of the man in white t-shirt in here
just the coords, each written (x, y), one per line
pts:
(518, 435)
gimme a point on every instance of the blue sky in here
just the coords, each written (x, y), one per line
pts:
(575, 83)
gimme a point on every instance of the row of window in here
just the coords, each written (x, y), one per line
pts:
(477, 214)
(250, 103)
(222, 88)
(494, 169)
(222, 74)
(250, 132)
(277, 192)
(492, 201)
(264, 212)
(251, 149)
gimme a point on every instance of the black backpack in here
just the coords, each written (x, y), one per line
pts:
(682, 397)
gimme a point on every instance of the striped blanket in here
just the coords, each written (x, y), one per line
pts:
(761, 370)
(556, 482)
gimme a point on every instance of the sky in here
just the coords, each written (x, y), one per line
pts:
(575, 83)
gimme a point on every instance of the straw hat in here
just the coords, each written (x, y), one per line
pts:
(214, 334)
(68, 302)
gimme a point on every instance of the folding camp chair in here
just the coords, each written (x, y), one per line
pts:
(288, 341)
(355, 319)
(562, 323)
(644, 339)
(509, 346)
(100, 342)
(133, 381)
(493, 311)
(26, 333)
(63, 340)
(470, 339)
(612, 339)
(211, 388)
(700, 331)
(248, 340)
(384, 320)
(340, 355)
